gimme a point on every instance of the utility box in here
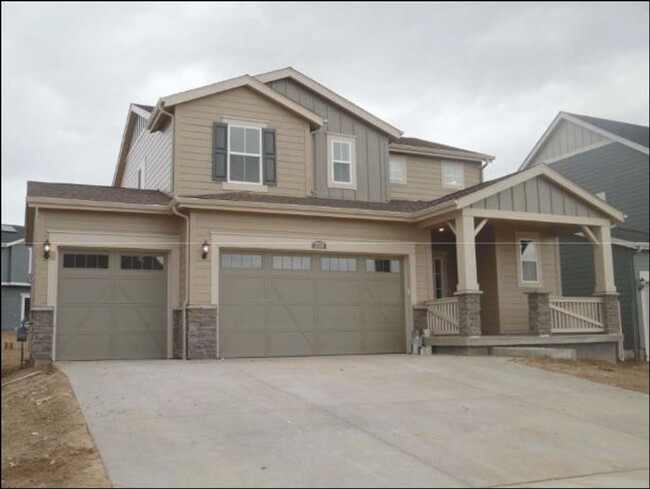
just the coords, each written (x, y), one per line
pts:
(22, 331)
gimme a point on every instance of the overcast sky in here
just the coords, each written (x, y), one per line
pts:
(485, 77)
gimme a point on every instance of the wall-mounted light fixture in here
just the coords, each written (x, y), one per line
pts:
(205, 249)
(441, 229)
(46, 249)
(641, 284)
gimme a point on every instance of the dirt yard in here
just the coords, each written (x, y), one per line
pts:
(628, 375)
(45, 441)
(11, 352)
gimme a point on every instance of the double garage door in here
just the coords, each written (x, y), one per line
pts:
(288, 304)
(111, 305)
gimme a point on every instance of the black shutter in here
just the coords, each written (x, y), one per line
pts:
(220, 151)
(268, 156)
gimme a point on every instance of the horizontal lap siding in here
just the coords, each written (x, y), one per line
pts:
(58, 220)
(156, 149)
(513, 302)
(203, 223)
(424, 178)
(193, 148)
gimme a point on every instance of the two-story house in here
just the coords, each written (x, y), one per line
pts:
(610, 159)
(16, 272)
(269, 216)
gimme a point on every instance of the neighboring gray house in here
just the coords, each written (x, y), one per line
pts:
(16, 276)
(610, 159)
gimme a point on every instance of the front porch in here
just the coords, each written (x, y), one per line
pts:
(497, 274)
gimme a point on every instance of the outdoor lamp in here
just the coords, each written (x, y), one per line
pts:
(205, 249)
(46, 249)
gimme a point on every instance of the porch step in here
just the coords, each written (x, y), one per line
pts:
(534, 352)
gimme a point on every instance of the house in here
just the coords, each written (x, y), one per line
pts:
(16, 272)
(610, 159)
(269, 216)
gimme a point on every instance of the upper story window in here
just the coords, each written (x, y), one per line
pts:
(529, 261)
(397, 169)
(244, 154)
(453, 175)
(341, 162)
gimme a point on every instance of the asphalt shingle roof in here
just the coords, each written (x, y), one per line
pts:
(430, 144)
(96, 193)
(629, 235)
(8, 236)
(632, 132)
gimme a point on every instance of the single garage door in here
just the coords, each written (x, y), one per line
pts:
(111, 305)
(283, 304)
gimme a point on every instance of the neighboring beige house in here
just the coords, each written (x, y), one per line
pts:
(269, 216)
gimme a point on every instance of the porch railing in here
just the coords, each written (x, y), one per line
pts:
(442, 316)
(576, 315)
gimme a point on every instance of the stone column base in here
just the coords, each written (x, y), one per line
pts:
(469, 313)
(420, 317)
(611, 312)
(201, 332)
(539, 312)
(177, 333)
(42, 334)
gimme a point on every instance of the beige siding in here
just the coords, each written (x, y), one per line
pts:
(88, 222)
(566, 138)
(203, 223)
(486, 262)
(538, 195)
(424, 179)
(193, 141)
(154, 149)
(513, 303)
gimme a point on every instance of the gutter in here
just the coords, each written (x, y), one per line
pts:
(186, 301)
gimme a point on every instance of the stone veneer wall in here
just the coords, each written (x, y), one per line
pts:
(469, 313)
(539, 313)
(42, 334)
(420, 317)
(177, 333)
(611, 313)
(201, 332)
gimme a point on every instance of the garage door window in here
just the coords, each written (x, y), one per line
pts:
(338, 264)
(291, 263)
(83, 260)
(241, 261)
(142, 262)
(388, 266)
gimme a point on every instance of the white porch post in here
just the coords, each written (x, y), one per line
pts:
(466, 254)
(603, 260)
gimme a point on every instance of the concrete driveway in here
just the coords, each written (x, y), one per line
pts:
(388, 420)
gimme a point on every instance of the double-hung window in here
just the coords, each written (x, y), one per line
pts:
(529, 261)
(244, 154)
(397, 169)
(341, 156)
(452, 175)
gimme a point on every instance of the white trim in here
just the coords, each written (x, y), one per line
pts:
(258, 128)
(16, 284)
(447, 165)
(535, 217)
(401, 162)
(23, 296)
(440, 153)
(29, 260)
(140, 111)
(643, 293)
(639, 246)
(535, 238)
(330, 95)
(584, 149)
(245, 187)
(235, 121)
(56, 203)
(115, 241)
(331, 182)
(9, 244)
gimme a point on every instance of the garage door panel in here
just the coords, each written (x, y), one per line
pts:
(343, 291)
(291, 344)
(84, 346)
(237, 288)
(385, 292)
(144, 291)
(140, 318)
(290, 317)
(79, 290)
(242, 317)
(243, 344)
(84, 319)
(382, 317)
(295, 290)
(339, 343)
(144, 346)
(340, 318)
(384, 342)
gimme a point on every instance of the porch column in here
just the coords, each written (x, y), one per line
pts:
(605, 286)
(467, 290)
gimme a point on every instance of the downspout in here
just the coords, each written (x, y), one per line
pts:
(186, 301)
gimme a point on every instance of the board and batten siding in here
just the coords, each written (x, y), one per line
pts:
(327, 229)
(193, 141)
(619, 171)
(424, 178)
(513, 302)
(154, 149)
(538, 195)
(566, 138)
(371, 145)
(89, 222)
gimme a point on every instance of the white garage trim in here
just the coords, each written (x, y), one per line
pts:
(115, 241)
(337, 245)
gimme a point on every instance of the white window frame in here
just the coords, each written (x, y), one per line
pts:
(351, 140)
(246, 125)
(141, 175)
(443, 291)
(519, 237)
(23, 296)
(29, 262)
(401, 162)
(446, 165)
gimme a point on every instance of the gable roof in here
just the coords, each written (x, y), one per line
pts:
(418, 146)
(169, 101)
(631, 135)
(95, 193)
(12, 237)
(333, 97)
(135, 111)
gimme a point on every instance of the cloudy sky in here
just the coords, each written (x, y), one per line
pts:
(486, 77)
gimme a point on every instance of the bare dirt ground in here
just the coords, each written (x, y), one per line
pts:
(11, 352)
(628, 375)
(45, 441)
